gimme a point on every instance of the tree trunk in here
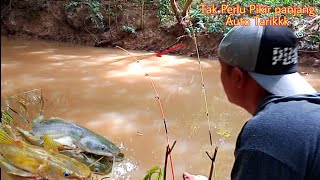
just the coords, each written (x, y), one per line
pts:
(181, 16)
(176, 10)
(186, 8)
(142, 9)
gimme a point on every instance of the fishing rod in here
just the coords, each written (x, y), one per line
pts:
(168, 148)
(213, 153)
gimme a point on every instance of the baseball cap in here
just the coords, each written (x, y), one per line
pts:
(269, 54)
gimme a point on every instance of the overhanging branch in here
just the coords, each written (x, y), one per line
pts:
(186, 8)
(176, 10)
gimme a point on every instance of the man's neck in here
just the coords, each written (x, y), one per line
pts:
(254, 99)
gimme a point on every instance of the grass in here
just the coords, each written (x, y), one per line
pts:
(157, 171)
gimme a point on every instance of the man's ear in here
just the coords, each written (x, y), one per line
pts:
(238, 77)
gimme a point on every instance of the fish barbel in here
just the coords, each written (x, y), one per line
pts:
(44, 163)
(99, 166)
(74, 136)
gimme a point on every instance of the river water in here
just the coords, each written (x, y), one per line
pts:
(101, 89)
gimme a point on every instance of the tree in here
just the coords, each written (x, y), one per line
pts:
(181, 16)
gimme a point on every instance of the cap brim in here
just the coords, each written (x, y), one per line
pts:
(284, 85)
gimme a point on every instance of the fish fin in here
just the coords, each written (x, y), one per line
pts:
(9, 131)
(52, 120)
(21, 116)
(51, 145)
(38, 119)
(23, 106)
(5, 138)
(6, 117)
(11, 169)
(43, 167)
(29, 136)
(24, 174)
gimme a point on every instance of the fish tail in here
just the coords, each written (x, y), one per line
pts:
(29, 136)
(38, 120)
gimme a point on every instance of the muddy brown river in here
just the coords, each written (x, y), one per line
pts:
(101, 89)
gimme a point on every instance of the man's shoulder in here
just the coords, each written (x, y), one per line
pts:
(293, 111)
(284, 130)
(285, 119)
(283, 124)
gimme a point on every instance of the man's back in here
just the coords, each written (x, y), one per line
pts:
(282, 140)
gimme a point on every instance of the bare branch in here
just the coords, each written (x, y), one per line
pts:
(176, 10)
(213, 159)
(186, 8)
(168, 151)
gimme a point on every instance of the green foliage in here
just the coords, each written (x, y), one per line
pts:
(212, 24)
(314, 40)
(129, 29)
(215, 27)
(108, 11)
(148, 1)
(200, 22)
(95, 16)
(155, 170)
(274, 3)
(196, 14)
(72, 5)
(165, 11)
(188, 31)
(182, 3)
(215, 23)
(95, 6)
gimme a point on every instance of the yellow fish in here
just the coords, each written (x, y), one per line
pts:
(11, 169)
(46, 163)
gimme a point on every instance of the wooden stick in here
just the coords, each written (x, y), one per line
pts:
(212, 162)
(168, 152)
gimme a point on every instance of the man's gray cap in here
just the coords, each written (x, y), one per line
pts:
(269, 54)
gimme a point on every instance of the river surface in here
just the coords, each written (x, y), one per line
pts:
(101, 89)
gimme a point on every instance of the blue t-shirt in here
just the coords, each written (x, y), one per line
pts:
(281, 141)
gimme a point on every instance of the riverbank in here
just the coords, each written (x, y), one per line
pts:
(119, 24)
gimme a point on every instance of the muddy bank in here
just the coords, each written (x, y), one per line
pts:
(114, 23)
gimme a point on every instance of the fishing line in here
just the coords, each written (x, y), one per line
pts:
(96, 161)
(161, 108)
(214, 153)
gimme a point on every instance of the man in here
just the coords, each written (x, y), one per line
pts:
(259, 74)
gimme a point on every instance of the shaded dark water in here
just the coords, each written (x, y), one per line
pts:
(90, 87)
